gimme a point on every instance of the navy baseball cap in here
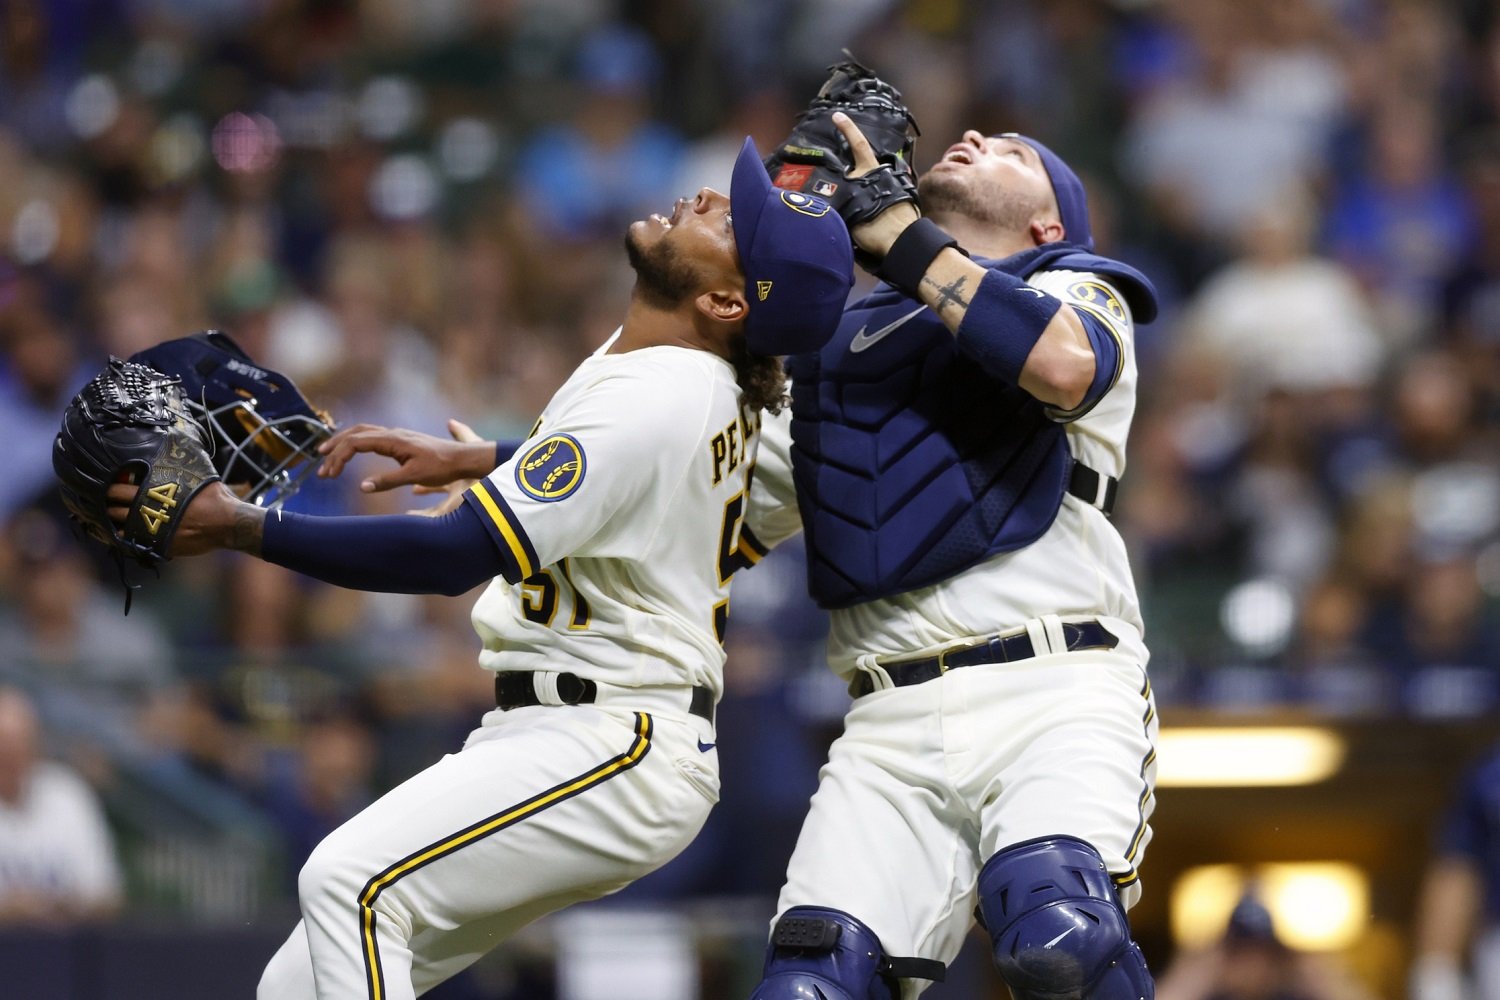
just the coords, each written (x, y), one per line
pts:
(1072, 203)
(797, 259)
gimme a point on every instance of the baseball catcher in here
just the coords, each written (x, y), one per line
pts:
(816, 159)
(997, 359)
(130, 424)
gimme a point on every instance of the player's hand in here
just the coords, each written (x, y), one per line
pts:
(210, 521)
(453, 493)
(877, 235)
(423, 460)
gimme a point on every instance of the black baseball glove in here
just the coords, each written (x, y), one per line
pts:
(130, 425)
(815, 159)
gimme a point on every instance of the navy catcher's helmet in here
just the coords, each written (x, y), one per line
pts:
(264, 433)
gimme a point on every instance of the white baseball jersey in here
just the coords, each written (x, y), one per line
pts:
(623, 511)
(1077, 569)
(619, 518)
(929, 781)
(56, 844)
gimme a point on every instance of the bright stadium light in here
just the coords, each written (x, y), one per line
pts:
(1314, 905)
(1201, 901)
(1241, 757)
(1317, 905)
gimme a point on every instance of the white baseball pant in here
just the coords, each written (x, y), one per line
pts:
(543, 807)
(929, 781)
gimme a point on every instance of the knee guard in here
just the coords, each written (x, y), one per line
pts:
(1057, 927)
(821, 954)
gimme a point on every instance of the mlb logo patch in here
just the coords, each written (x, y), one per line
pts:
(792, 176)
(824, 188)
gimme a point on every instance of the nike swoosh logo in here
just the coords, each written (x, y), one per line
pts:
(1064, 934)
(705, 747)
(1034, 291)
(863, 341)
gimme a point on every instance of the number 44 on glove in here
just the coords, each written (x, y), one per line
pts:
(130, 424)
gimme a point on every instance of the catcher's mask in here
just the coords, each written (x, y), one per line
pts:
(264, 433)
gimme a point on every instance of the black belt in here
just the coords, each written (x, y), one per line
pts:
(516, 689)
(1093, 488)
(1000, 649)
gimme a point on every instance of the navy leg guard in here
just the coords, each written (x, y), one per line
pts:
(1057, 927)
(820, 954)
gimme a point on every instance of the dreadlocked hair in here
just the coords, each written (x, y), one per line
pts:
(762, 380)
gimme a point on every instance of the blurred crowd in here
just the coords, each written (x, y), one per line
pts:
(415, 211)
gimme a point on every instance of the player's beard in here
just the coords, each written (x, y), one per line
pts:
(663, 279)
(762, 379)
(946, 194)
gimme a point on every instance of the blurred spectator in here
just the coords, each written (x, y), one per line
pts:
(41, 44)
(1432, 412)
(581, 180)
(63, 635)
(611, 162)
(1297, 358)
(326, 782)
(57, 856)
(1282, 319)
(1457, 923)
(40, 371)
(1250, 962)
(1214, 145)
(1401, 221)
(1471, 291)
(1436, 641)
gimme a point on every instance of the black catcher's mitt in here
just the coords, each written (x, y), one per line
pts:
(129, 424)
(816, 160)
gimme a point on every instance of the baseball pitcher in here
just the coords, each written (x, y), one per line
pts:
(609, 538)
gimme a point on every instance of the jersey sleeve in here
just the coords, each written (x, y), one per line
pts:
(771, 513)
(583, 485)
(1107, 322)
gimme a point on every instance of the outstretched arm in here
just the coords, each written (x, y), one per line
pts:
(1041, 344)
(214, 519)
(397, 554)
(423, 460)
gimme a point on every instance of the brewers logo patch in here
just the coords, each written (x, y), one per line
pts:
(551, 470)
(1100, 300)
(799, 202)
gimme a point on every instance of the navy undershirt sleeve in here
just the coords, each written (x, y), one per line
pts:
(1107, 359)
(394, 554)
(505, 449)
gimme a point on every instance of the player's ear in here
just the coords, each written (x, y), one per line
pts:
(1047, 230)
(723, 305)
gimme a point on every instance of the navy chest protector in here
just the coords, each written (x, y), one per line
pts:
(911, 464)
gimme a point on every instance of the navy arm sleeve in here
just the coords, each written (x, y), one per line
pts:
(1003, 323)
(394, 554)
